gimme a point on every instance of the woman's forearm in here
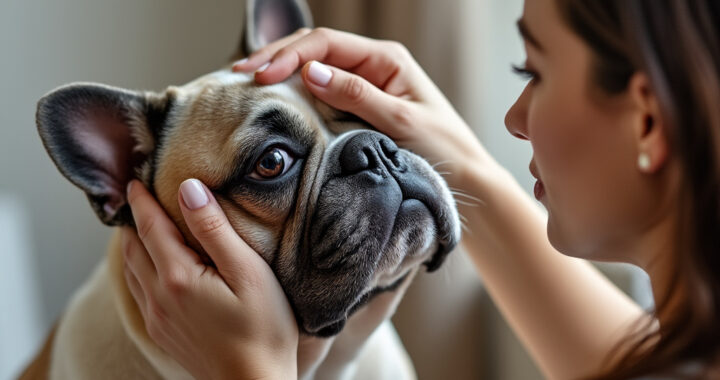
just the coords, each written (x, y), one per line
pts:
(568, 315)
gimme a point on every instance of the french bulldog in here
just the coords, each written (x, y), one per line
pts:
(343, 216)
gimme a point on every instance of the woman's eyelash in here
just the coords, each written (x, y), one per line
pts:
(524, 72)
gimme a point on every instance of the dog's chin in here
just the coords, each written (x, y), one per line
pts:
(323, 329)
(332, 328)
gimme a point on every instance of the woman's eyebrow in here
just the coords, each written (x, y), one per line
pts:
(525, 33)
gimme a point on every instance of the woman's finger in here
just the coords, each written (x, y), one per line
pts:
(137, 259)
(136, 290)
(163, 241)
(352, 93)
(376, 61)
(208, 223)
(133, 253)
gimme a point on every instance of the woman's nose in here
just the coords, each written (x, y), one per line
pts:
(516, 117)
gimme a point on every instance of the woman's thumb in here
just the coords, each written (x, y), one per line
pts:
(208, 223)
(352, 93)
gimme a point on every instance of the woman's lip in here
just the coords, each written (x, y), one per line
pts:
(533, 171)
(539, 187)
(539, 190)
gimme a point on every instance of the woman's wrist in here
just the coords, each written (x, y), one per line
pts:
(476, 171)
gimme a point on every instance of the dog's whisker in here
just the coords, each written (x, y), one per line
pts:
(464, 224)
(469, 202)
(458, 190)
(463, 218)
(440, 163)
(470, 197)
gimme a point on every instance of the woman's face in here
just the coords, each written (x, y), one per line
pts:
(584, 143)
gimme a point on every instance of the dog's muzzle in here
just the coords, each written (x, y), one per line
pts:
(376, 200)
(376, 154)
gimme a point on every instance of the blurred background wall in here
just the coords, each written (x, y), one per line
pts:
(52, 239)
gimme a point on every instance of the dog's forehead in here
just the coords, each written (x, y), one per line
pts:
(238, 85)
(225, 91)
(290, 89)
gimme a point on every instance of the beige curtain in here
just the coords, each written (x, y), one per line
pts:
(446, 320)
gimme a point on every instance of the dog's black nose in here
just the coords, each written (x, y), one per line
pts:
(369, 150)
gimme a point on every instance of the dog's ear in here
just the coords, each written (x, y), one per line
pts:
(99, 137)
(269, 20)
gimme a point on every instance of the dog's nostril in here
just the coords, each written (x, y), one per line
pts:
(390, 151)
(369, 151)
(354, 160)
(388, 147)
(357, 154)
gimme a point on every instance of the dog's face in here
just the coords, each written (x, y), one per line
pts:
(338, 210)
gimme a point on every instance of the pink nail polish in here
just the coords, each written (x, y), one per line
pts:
(319, 74)
(193, 194)
(237, 66)
(263, 67)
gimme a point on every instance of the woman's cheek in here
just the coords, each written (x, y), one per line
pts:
(557, 151)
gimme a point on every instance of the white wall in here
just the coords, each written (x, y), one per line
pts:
(21, 325)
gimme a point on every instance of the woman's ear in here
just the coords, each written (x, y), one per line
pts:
(650, 129)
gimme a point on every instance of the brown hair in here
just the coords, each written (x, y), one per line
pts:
(676, 43)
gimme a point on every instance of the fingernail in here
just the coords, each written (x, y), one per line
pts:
(236, 65)
(193, 194)
(263, 68)
(319, 74)
(129, 187)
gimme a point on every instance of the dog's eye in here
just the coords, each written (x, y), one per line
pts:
(272, 164)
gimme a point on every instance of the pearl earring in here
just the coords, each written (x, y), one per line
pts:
(644, 162)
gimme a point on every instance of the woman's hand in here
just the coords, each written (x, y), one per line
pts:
(233, 322)
(380, 82)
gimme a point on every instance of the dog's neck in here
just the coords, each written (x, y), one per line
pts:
(331, 358)
(328, 357)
